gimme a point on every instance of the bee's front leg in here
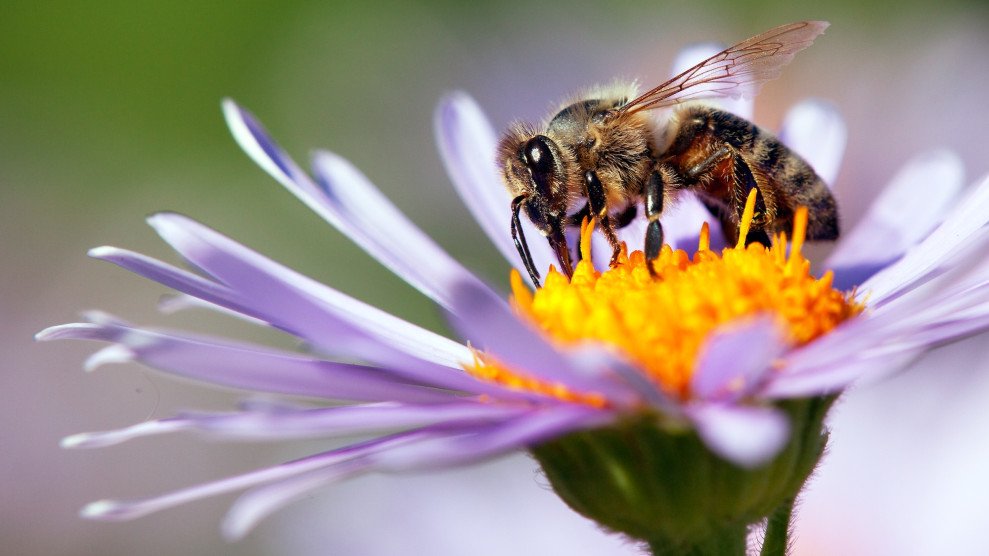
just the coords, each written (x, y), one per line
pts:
(596, 201)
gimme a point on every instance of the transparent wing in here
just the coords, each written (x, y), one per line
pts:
(734, 72)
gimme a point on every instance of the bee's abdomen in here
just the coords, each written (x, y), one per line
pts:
(797, 185)
(788, 181)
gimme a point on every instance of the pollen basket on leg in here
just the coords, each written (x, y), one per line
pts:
(662, 322)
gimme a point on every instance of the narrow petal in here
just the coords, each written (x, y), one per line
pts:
(257, 504)
(968, 217)
(635, 386)
(316, 312)
(815, 130)
(172, 277)
(283, 424)
(328, 422)
(426, 451)
(467, 145)
(493, 328)
(835, 376)
(490, 440)
(345, 201)
(905, 212)
(253, 367)
(735, 360)
(116, 510)
(748, 436)
(258, 144)
(873, 346)
(341, 317)
(109, 438)
(694, 54)
(374, 223)
(174, 303)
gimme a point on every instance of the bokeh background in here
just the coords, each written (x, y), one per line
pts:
(109, 111)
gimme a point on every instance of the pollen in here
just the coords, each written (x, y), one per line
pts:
(661, 320)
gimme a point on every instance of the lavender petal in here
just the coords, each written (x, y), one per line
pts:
(316, 312)
(263, 150)
(735, 360)
(492, 327)
(748, 436)
(426, 451)
(172, 277)
(374, 223)
(110, 438)
(815, 130)
(903, 214)
(833, 377)
(968, 217)
(467, 146)
(328, 422)
(258, 503)
(252, 367)
(486, 441)
(115, 510)
(283, 424)
(335, 204)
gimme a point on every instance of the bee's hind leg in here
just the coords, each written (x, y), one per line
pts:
(745, 182)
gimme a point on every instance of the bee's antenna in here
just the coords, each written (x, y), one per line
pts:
(519, 237)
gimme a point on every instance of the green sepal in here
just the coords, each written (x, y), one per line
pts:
(661, 484)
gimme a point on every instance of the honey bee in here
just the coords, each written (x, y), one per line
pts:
(605, 155)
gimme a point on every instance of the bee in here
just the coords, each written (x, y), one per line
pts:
(606, 155)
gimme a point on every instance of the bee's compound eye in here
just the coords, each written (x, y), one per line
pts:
(538, 156)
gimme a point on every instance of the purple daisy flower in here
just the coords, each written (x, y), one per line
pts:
(918, 286)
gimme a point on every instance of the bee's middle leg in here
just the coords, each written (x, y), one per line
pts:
(597, 203)
(742, 182)
(663, 175)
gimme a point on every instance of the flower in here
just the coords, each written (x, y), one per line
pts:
(752, 403)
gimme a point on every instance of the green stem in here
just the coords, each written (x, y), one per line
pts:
(729, 542)
(777, 541)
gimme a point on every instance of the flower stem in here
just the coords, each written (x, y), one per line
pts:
(777, 541)
(728, 542)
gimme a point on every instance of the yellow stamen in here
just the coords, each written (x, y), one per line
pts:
(586, 227)
(747, 215)
(704, 241)
(661, 322)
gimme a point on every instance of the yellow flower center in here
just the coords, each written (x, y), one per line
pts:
(661, 320)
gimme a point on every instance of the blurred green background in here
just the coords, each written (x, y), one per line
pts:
(109, 111)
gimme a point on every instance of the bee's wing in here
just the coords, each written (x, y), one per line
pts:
(736, 71)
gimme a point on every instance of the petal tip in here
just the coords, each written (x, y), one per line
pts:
(50, 333)
(745, 435)
(105, 510)
(233, 114)
(69, 331)
(80, 440)
(103, 252)
(108, 355)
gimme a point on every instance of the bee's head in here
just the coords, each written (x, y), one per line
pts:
(535, 173)
(534, 167)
